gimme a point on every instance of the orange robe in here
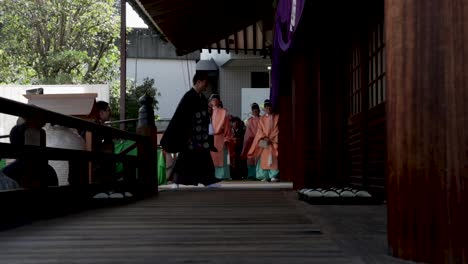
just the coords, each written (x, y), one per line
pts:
(267, 128)
(222, 134)
(250, 133)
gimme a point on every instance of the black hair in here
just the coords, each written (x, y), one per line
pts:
(102, 105)
(215, 96)
(200, 76)
(255, 106)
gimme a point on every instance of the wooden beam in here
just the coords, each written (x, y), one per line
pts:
(254, 32)
(245, 40)
(236, 41)
(226, 40)
(123, 62)
(427, 129)
(263, 38)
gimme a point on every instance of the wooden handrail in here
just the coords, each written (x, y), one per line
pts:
(32, 152)
(123, 121)
(145, 141)
(128, 149)
(14, 108)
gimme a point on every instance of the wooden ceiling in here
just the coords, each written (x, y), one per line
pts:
(256, 38)
(193, 25)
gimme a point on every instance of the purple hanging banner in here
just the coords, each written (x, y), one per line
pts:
(288, 14)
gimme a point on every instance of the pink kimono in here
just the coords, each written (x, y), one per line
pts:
(222, 134)
(268, 153)
(250, 133)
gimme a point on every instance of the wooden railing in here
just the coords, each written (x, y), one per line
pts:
(143, 183)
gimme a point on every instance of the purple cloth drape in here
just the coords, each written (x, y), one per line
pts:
(288, 14)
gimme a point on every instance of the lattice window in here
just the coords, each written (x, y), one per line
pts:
(355, 106)
(376, 84)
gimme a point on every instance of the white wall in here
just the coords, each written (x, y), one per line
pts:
(231, 81)
(252, 95)
(172, 78)
(16, 92)
(220, 58)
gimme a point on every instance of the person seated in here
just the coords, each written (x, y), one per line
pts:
(30, 173)
(105, 171)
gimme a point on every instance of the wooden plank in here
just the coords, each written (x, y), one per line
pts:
(180, 227)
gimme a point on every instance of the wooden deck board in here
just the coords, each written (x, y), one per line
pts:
(186, 226)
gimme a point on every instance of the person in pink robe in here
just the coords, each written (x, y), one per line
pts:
(265, 145)
(251, 131)
(222, 135)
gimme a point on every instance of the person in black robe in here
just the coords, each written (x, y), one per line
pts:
(188, 135)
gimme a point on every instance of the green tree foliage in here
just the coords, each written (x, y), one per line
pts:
(58, 41)
(134, 92)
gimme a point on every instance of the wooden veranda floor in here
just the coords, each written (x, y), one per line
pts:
(190, 226)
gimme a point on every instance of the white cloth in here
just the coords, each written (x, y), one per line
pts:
(7, 183)
(210, 130)
(65, 138)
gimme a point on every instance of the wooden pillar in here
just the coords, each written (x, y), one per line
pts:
(147, 149)
(35, 170)
(427, 129)
(339, 85)
(123, 62)
(89, 147)
(286, 159)
(299, 138)
(305, 119)
(332, 113)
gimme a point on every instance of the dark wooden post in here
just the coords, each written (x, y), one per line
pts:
(35, 173)
(286, 156)
(90, 147)
(299, 137)
(147, 148)
(427, 129)
(123, 62)
(305, 116)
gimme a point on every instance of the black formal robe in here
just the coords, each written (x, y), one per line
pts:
(187, 134)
